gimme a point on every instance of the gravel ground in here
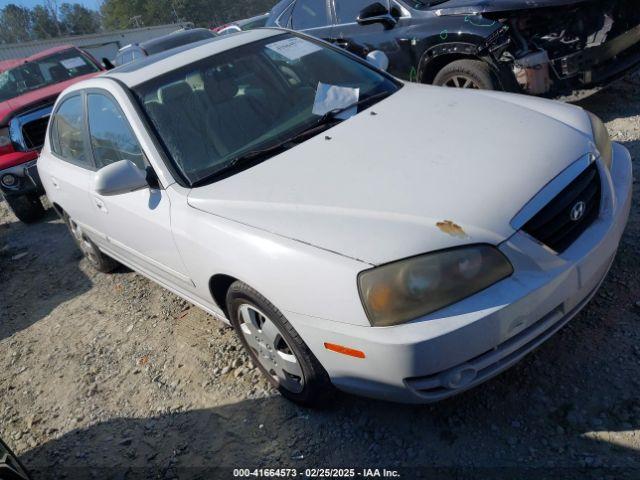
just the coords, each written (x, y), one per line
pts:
(110, 374)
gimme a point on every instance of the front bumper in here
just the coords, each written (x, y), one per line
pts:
(28, 180)
(597, 67)
(465, 344)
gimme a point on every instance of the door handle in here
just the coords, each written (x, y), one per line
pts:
(100, 205)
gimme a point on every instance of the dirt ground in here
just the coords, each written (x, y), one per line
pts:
(111, 376)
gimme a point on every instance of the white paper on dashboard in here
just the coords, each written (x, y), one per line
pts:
(331, 97)
(294, 48)
(74, 62)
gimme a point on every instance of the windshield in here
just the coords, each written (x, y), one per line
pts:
(252, 99)
(43, 72)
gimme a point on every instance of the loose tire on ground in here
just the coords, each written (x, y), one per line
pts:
(27, 208)
(243, 303)
(474, 74)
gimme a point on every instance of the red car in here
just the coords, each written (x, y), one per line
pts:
(28, 89)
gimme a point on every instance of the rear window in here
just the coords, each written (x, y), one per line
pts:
(43, 72)
(177, 40)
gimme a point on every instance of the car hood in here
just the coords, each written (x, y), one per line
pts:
(433, 168)
(466, 7)
(32, 99)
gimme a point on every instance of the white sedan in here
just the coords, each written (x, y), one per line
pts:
(394, 240)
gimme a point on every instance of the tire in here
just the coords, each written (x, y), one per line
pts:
(305, 381)
(98, 260)
(474, 74)
(27, 208)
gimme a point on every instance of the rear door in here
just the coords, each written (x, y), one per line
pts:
(136, 225)
(69, 171)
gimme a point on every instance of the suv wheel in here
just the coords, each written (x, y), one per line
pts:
(276, 348)
(27, 208)
(474, 74)
(91, 252)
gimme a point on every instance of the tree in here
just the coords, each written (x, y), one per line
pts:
(44, 23)
(78, 20)
(15, 24)
(48, 20)
(118, 13)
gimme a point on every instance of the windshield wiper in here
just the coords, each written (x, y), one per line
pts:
(330, 118)
(256, 155)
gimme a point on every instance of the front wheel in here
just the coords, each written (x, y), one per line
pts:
(276, 348)
(474, 74)
(91, 252)
(27, 208)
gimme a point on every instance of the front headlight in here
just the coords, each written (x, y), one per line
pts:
(402, 291)
(602, 139)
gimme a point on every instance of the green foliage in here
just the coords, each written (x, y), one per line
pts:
(131, 13)
(78, 20)
(44, 23)
(15, 24)
(21, 24)
(49, 20)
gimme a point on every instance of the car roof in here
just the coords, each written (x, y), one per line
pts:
(178, 36)
(135, 73)
(8, 64)
(246, 21)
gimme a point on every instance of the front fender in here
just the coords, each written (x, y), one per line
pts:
(470, 36)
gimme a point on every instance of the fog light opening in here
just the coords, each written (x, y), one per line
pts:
(9, 180)
(460, 377)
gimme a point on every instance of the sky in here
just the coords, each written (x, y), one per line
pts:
(93, 4)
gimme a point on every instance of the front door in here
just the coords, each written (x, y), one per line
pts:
(137, 225)
(363, 39)
(68, 174)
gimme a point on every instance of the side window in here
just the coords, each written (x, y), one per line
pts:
(309, 14)
(111, 136)
(347, 11)
(127, 57)
(285, 17)
(67, 132)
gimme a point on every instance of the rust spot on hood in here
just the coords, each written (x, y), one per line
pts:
(451, 228)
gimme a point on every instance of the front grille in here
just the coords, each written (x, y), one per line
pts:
(570, 213)
(34, 132)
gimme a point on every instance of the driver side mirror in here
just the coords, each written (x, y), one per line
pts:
(119, 177)
(378, 59)
(106, 63)
(377, 13)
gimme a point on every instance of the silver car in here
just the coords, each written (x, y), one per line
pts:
(399, 241)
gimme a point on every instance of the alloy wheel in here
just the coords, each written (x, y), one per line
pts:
(270, 348)
(461, 81)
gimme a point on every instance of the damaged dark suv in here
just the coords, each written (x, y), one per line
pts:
(543, 47)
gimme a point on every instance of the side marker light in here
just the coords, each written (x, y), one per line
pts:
(344, 350)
